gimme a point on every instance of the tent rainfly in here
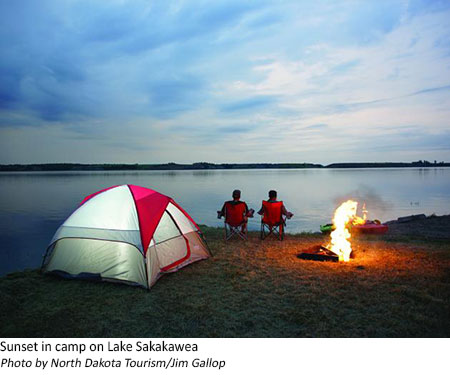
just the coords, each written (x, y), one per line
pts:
(126, 234)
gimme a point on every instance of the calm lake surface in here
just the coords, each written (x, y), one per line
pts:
(33, 205)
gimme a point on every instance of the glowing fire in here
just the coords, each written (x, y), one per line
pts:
(344, 214)
(364, 210)
(360, 221)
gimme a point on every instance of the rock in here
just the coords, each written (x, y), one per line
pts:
(406, 219)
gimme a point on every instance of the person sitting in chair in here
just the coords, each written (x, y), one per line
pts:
(272, 217)
(237, 201)
(273, 199)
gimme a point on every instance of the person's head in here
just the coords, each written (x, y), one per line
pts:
(236, 194)
(272, 194)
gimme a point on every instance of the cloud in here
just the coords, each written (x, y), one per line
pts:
(432, 90)
(73, 67)
(316, 127)
(249, 104)
(169, 97)
(416, 139)
(235, 129)
(290, 81)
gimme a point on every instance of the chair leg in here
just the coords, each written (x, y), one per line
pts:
(231, 231)
(241, 234)
(228, 232)
(276, 231)
(264, 233)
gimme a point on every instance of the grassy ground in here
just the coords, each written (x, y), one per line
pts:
(249, 289)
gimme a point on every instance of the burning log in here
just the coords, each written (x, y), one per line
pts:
(319, 257)
(319, 253)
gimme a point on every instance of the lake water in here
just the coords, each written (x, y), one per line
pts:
(33, 205)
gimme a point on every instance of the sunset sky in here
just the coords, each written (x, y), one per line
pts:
(224, 81)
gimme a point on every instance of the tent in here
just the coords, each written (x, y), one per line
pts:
(126, 234)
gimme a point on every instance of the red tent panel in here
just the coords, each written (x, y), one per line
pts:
(150, 206)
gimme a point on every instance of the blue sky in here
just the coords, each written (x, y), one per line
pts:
(224, 81)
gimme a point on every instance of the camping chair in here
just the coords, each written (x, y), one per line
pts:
(235, 224)
(272, 221)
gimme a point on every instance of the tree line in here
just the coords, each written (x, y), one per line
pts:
(206, 166)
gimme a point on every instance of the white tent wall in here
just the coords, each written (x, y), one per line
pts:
(110, 260)
(156, 252)
(112, 209)
(198, 247)
(183, 223)
(127, 236)
(166, 229)
(170, 245)
(171, 251)
(110, 215)
(152, 264)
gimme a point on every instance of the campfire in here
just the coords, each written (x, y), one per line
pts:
(339, 247)
(339, 243)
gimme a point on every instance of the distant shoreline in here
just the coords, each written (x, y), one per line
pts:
(206, 166)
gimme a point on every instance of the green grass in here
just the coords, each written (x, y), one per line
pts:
(249, 289)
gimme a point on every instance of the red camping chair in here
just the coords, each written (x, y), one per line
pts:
(272, 221)
(234, 220)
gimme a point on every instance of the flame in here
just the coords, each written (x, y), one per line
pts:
(358, 220)
(343, 215)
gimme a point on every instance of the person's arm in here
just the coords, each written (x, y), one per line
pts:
(221, 212)
(285, 212)
(248, 212)
(261, 210)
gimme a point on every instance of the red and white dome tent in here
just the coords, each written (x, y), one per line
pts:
(126, 234)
